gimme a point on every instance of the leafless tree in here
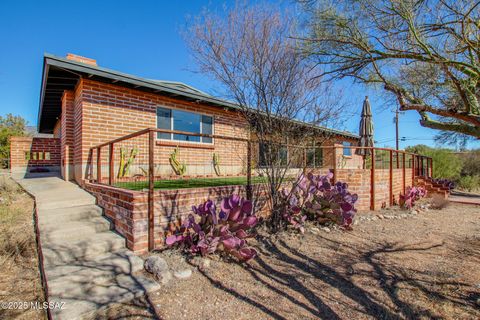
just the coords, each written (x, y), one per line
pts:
(250, 51)
(425, 52)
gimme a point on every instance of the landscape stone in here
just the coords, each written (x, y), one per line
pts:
(183, 274)
(156, 265)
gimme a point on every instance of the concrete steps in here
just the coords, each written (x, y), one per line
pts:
(86, 265)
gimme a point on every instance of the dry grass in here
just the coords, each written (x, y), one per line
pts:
(20, 279)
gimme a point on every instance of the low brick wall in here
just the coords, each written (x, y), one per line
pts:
(32, 152)
(128, 210)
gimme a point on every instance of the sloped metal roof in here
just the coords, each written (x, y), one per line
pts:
(61, 74)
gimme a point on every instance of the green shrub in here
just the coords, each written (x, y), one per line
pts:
(446, 164)
(469, 183)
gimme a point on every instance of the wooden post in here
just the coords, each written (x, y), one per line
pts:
(110, 164)
(372, 181)
(249, 171)
(391, 177)
(305, 159)
(431, 167)
(151, 182)
(99, 165)
(334, 178)
(413, 169)
(404, 173)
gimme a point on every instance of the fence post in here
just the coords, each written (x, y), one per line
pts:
(110, 164)
(334, 178)
(404, 173)
(305, 159)
(372, 182)
(413, 169)
(99, 165)
(431, 167)
(391, 177)
(151, 182)
(249, 170)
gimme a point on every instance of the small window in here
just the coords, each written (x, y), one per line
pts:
(179, 120)
(40, 156)
(347, 151)
(275, 154)
(47, 155)
(27, 155)
(315, 157)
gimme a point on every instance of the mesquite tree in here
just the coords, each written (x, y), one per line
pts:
(425, 52)
(250, 51)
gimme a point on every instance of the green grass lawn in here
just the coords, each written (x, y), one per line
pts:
(190, 183)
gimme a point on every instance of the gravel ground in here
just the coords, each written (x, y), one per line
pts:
(393, 265)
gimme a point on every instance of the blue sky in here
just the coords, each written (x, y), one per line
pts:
(142, 38)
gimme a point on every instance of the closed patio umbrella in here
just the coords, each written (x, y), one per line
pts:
(366, 129)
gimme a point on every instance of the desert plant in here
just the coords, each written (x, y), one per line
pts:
(179, 168)
(216, 164)
(438, 202)
(124, 166)
(313, 197)
(445, 183)
(469, 183)
(225, 232)
(412, 194)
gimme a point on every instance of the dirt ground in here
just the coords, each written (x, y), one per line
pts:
(398, 266)
(19, 272)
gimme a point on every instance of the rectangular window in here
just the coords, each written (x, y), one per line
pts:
(47, 155)
(179, 120)
(347, 151)
(315, 157)
(272, 154)
(27, 155)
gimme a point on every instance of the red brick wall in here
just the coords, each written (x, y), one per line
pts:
(129, 214)
(20, 145)
(67, 134)
(105, 111)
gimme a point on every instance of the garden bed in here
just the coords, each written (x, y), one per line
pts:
(179, 183)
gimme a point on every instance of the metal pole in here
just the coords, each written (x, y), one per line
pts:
(334, 164)
(249, 170)
(397, 145)
(372, 182)
(391, 177)
(404, 173)
(99, 165)
(110, 164)
(151, 182)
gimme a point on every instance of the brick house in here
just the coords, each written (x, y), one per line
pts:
(84, 105)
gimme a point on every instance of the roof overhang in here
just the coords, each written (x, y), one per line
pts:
(60, 74)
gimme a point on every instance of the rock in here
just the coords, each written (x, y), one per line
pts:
(155, 265)
(164, 277)
(388, 217)
(204, 264)
(380, 216)
(403, 215)
(314, 230)
(374, 218)
(326, 229)
(355, 222)
(183, 274)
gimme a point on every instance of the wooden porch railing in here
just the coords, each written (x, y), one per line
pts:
(420, 165)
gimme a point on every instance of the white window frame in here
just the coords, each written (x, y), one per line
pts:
(172, 140)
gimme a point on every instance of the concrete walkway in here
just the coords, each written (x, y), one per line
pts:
(86, 265)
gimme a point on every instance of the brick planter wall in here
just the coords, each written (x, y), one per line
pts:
(128, 210)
